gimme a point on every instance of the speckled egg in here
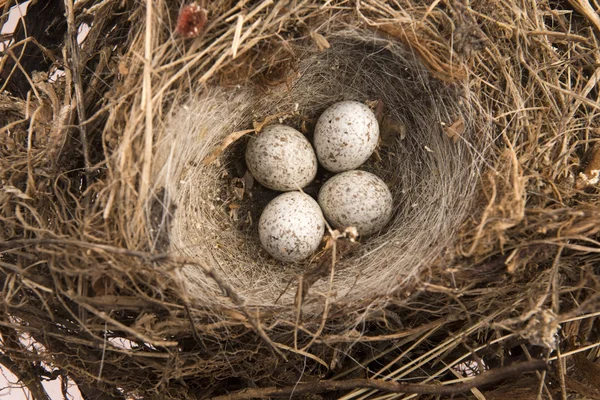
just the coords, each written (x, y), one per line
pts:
(356, 198)
(281, 158)
(291, 227)
(346, 135)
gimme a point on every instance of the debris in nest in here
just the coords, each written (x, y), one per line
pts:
(320, 41)
(282, 116)
(350, 233)
(232, 138)
(591, 173)
(542, 329)
(102, 285)
(304, 128)
(233, 211)
(191, 20)
(248, 180)
(455, 130)
(468, 37)
(238, 186)
(379, 110)
(391, 131)
(345, 243)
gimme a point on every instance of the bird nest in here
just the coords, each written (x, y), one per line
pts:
(129, 247)
(214, 204)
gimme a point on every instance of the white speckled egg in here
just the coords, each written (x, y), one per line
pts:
(356, 198)
(291, 226)
(346, 135)
(281, 158)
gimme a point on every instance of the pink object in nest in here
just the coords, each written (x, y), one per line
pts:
(191, 20)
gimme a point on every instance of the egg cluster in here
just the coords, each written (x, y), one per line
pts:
(292, 225)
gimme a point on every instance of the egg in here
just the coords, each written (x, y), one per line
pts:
(346, 135)
(356, 198)
(281, 158)
(291, 227)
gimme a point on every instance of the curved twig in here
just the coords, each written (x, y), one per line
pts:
(486, 378)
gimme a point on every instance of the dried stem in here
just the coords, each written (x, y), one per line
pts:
(74, 62)
(487, 378)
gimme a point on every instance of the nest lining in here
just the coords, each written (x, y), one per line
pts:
(432, 178)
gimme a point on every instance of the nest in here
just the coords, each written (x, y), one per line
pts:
(213, 214)
(129, 254)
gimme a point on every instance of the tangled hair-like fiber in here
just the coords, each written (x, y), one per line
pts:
(432, 178)
(129, 261)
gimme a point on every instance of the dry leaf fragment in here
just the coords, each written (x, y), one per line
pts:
(233, 211)
(258, 126)
(379, 110)
(233, 137)
(320, 41)
(455, 130)
(248, 180)
(390, 131)
(238, 186)
(102, 286)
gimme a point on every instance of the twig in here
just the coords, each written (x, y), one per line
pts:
(317, 334)
(188, 314)
(118, 325)
(560, 371)
(75, 66)
(17, 60)
(254, 320)
(331, 339)
(584, 7)
(27, 378)
(18, 65)
(5, 11)
(23, 370)
(147, 108)
(486, 378)
(206, 269)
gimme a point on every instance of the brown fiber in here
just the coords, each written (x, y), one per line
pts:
(129, 256)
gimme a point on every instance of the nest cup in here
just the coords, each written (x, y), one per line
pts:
(431, 176)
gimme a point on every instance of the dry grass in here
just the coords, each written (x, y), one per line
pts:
(113, 229)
